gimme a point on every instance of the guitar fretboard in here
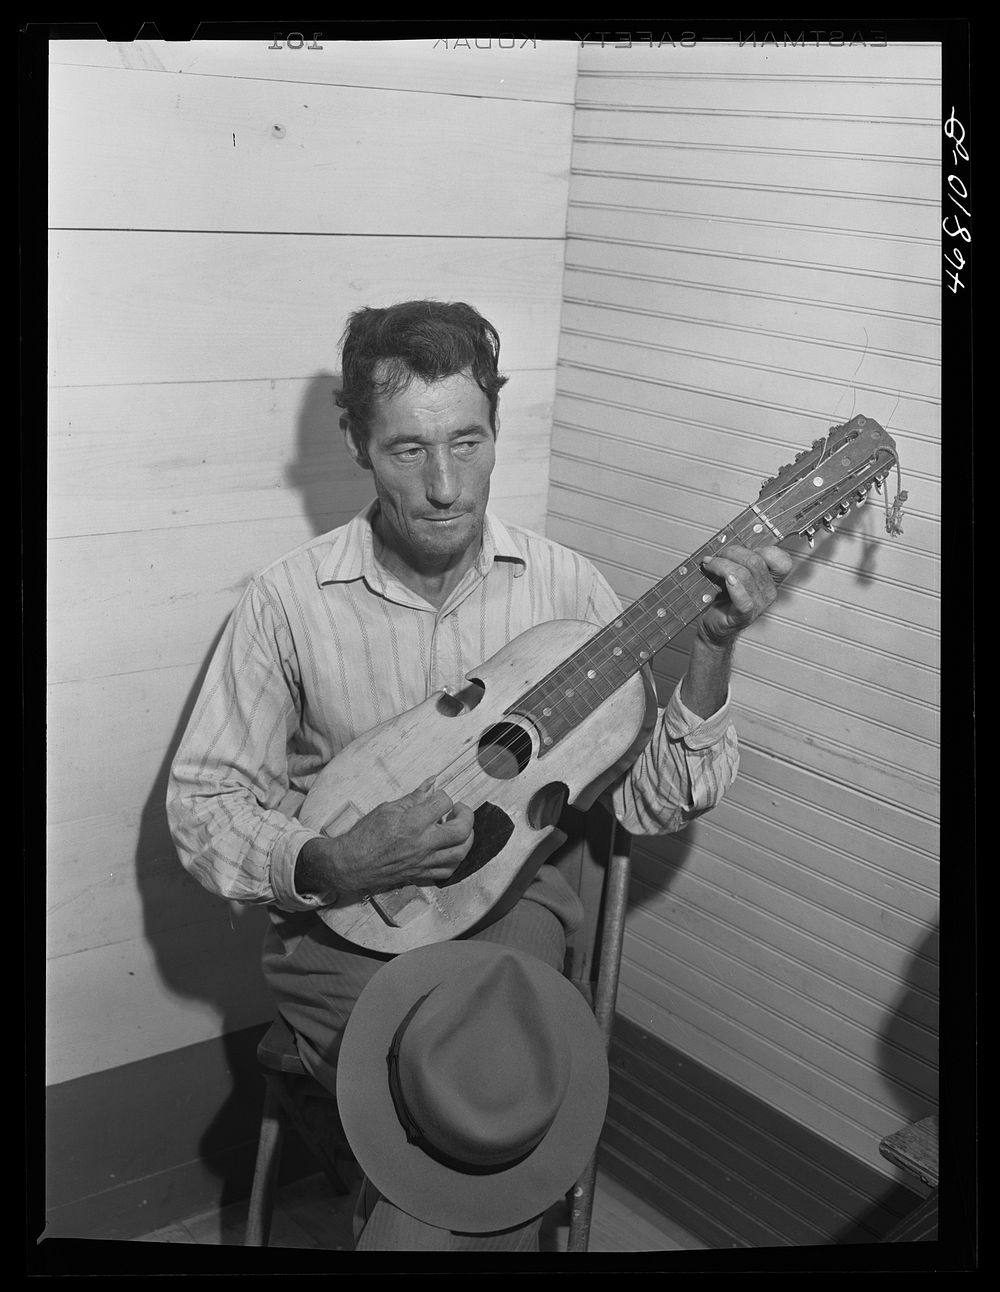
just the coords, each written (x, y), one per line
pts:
(581, 683)
(822, 482)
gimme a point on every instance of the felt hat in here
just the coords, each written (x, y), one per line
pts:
(472, 1084)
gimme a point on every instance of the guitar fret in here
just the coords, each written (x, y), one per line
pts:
(620, 649)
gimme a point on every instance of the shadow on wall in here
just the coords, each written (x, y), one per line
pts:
(206, 951)
(852, 544)
(333, 488)
(910, 1032)
(908, 1045)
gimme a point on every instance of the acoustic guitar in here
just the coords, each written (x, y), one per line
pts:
(556, 715)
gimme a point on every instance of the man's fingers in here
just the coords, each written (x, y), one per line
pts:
(740, 584)
(417, 797)
(456, 831)
(417, 839)
(778, 561)
(747, 576)
(448, 859)
(765, 562)
(427, 804)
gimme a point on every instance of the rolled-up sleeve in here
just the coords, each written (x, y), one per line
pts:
(230, 805)
(683, 771)
(688, 763)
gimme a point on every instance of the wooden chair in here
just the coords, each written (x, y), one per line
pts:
(596, 861)
(293, 1100)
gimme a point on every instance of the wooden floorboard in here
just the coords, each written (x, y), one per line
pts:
(308, 1214)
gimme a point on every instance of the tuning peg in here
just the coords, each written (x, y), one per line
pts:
(810, 536)
(828, 524)
(878, 484)
(818, 444)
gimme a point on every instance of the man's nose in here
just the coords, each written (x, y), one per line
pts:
(442, 483)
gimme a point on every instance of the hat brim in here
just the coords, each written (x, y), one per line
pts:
(421, 1185)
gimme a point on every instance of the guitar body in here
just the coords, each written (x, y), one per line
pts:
(486, 758)
(557, 714)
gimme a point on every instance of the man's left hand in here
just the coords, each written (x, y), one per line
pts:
(749, 582)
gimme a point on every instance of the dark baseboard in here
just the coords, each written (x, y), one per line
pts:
(728, 1168)
(143, 1145)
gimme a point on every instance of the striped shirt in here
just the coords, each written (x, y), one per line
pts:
(325, 644)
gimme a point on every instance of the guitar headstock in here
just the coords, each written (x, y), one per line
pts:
(826, 481)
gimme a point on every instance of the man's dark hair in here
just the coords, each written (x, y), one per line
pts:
(384, 349)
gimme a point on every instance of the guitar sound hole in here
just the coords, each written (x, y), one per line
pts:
(546, 806)
(451, 703)
(504, 751)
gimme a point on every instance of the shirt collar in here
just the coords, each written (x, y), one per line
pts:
(351, 554)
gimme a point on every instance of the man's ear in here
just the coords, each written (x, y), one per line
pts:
(357, 446)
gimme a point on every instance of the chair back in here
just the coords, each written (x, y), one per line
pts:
(594, 860)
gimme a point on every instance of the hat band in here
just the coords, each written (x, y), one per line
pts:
(414, 1132)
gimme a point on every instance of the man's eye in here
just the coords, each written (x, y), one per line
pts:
(467, 447)
(409, 455)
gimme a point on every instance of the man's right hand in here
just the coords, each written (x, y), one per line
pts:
(405, 841)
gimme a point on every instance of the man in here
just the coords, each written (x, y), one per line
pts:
(362, 624)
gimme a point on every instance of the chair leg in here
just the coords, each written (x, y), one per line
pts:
(265, 1176)
(318, 1128)
(606, 993)
(581, 1207)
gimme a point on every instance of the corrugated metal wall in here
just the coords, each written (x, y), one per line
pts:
(753, 256)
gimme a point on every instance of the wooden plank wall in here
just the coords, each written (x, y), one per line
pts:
(216, 211)
(753, 256)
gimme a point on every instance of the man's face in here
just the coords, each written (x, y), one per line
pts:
(431, 451)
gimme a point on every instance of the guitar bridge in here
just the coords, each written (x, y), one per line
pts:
(398, 906)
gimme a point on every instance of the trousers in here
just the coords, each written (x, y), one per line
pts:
(316, 976)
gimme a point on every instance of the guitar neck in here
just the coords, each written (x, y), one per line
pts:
(822, 482)
(594, 672)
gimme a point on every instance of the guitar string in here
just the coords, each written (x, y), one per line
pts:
(469, 765)
(639, 618)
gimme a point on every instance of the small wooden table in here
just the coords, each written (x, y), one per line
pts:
(915, 1149)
